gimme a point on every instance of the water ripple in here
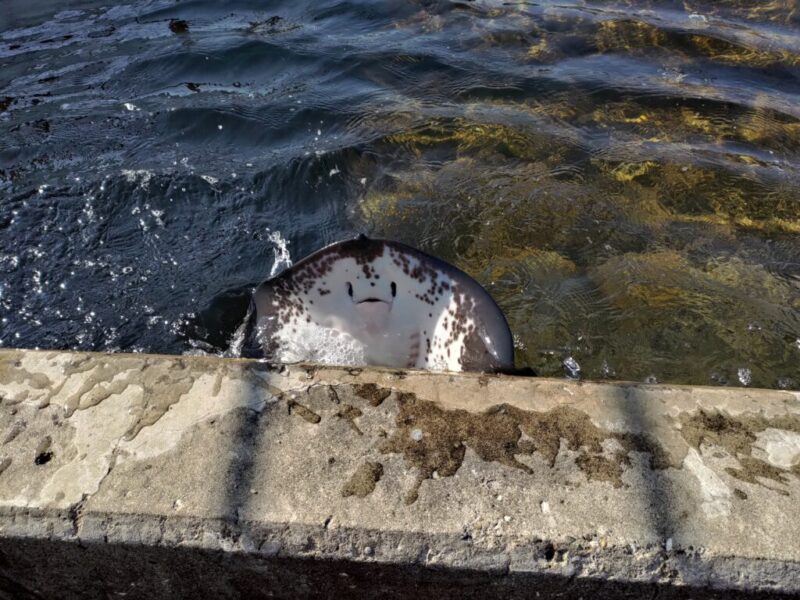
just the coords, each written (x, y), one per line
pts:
(622, 176)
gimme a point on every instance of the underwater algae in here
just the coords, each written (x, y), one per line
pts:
(623, 176)
(629, 263)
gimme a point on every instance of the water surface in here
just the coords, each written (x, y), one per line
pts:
(623, 177)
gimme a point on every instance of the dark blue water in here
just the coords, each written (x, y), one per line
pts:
(624, 177)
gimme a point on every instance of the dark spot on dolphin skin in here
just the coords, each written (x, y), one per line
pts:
(362, 482)
(434, 439)
(372, 393)
(178, 26)
(303, 411)
(4, 464)
(193, 87)
(5, 102)
(739, 494)
(736, 435)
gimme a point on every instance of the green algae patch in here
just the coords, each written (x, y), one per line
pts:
(648, 281)
(526, 262)
(715, 318)
(303, 412)
(615, 35)
(629, 171)
(372, 393)
(638, 36)
(737, 436)
(472, 138)
(631, 230)
(434, 440)
(619, 271)
(349, 414)
(362, 483)
(752, 279)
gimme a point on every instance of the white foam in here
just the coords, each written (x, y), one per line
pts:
(139, 176)
(318, 344)
(236, 342)
(283, 260)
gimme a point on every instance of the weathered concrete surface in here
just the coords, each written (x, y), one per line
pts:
(152, 477)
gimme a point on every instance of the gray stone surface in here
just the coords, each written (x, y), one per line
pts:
(144, 476)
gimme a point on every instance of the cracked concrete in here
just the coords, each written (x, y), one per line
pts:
(405, 481)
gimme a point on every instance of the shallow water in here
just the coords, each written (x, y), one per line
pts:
(624, 177)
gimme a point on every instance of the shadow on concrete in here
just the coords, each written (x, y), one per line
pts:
(36, 569)
(661, 510)
(248, 440)
(274, 576)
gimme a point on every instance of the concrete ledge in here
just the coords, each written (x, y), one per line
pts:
(150, 477)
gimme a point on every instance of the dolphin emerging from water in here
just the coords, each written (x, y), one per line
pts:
(378, 302)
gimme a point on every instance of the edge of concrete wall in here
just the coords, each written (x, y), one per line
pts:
(166, 476)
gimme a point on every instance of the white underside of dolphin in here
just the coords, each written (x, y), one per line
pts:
(376, 302)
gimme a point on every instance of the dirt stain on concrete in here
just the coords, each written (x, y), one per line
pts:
(350, 413)
(362, 483)
(306, 413)
(372, 393)
(737, 436)
(434, 440)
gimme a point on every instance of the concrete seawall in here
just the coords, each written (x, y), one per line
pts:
(146, 477)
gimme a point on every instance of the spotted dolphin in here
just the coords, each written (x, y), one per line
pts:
(378, 302)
